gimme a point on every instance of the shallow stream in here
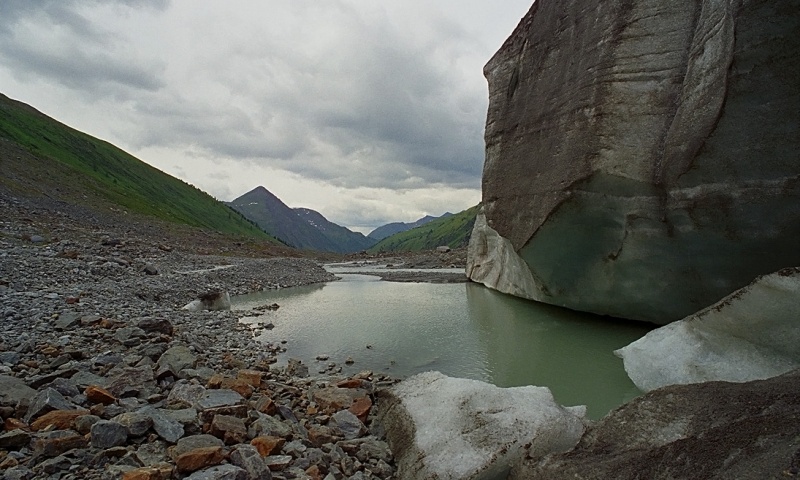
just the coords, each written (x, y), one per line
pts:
(462, 330)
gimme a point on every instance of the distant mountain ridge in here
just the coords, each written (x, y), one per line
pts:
(299, 227)
(393, 228)
(449, 229)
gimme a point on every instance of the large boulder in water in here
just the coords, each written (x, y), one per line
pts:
(641, 156)
(751, 334)
(453, 428)
(713, 430)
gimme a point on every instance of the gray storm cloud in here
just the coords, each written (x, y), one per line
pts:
(352, 94)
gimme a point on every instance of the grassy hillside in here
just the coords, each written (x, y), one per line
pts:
(453, 231)
(105, 171)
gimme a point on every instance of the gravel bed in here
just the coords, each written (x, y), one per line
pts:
(103, 375)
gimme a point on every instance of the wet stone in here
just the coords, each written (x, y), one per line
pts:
(83, 424)
(268, 445)
(9, 358)
(47, 400)
(220, 472)
(107, 434)
(18, 473)
(269, 425)
(152, 453)
(57, 442)
(248, 458)
(67, 321)
(252, 377)
(199, 458)
(277, 462)
(83, 379)
(166, 427)
(107, 358)
(97, 394)
(156, 325)
(174, 360)
(230, 429)
(58, 419)
(131, 381)
(184, 394)
(12, 390)
(65, 387)
(53, 465)
(193, 442)
(137, 423)
(346, 424)
(219, 398)
(15, 439)
(129, 336)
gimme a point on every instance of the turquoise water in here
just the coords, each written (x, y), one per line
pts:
(462, 330)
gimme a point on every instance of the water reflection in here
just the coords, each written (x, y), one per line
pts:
(462, 330)
(529, 343)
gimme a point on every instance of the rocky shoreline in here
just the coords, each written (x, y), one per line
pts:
(104, 376)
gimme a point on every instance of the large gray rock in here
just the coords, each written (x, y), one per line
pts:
(220, 472)
(174, 360)
(453, 428)
(248, 458)
(713, 430)
(165, 426)
(641, 156)
(47, 400)
(106, 434)
(12, 390)
(751, 334)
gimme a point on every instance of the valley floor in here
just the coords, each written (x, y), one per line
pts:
(91, 321)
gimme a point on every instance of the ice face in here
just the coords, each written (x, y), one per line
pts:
(749, 335)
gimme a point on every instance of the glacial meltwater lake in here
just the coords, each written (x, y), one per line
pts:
(462, 330)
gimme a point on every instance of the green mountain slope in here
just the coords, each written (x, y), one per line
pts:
(453, 231)
(393, 228)
(105, 172)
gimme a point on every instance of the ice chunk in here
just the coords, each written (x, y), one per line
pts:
(453, 428)
(752, 334)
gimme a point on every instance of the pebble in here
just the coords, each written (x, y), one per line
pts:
(93, 335)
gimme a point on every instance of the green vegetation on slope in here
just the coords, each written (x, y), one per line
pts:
(453, 231)
(116, 175)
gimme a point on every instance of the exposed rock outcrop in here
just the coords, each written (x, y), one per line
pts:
(713, 430)
(454, 428)
(642, 156)
(751, 334)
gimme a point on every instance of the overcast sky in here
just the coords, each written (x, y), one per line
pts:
(368, 111)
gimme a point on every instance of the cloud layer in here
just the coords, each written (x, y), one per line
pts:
(354, 104)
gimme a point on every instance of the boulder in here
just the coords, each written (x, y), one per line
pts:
(47, 400)
(213, 301)
(746, 431)
(13, 390)
(174, 360)
(751, 334)
(248, 458)
(641, 157)
(165, 426)
(106, 434)
(452, 428)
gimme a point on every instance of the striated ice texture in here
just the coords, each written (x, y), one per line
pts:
(751, 334)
